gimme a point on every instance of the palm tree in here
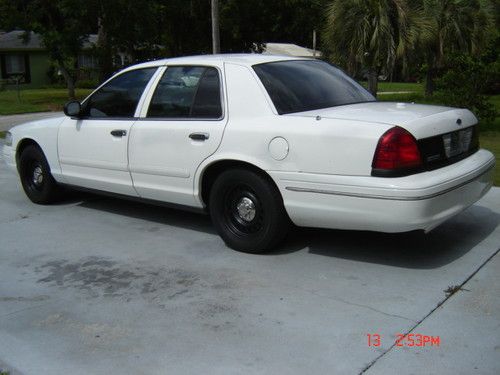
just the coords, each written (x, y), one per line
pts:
(372, 33)
(459, 26)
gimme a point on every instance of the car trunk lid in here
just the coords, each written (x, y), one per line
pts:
(421, 120)
(444, 135)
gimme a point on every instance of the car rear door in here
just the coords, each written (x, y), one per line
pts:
(181, 125)
(93, 149)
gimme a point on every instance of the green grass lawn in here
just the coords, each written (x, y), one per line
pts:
(398, 86)
(490, 140)
(37, 100)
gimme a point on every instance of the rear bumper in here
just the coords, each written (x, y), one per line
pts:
(416, 202)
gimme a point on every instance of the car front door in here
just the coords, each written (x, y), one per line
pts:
(182, 125)
(93, 148)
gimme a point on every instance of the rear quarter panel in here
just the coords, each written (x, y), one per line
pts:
(324, 146)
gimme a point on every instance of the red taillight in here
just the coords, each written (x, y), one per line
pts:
(397, 149)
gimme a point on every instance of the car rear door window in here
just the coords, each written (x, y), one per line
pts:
(207, 102)
(305, 85)
(120, 96)
(187, 92)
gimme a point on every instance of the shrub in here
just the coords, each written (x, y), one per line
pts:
(87, 84)
(464, 84)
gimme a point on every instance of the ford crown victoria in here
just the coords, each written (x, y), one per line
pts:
(260, 143)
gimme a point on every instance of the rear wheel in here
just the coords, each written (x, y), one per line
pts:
(247, 211)
(34, 171)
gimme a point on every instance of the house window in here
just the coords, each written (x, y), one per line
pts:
(16, 66)
(87, 61)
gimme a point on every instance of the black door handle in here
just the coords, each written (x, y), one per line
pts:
(199, 136)
(118, 133)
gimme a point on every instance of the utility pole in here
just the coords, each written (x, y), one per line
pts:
(314, 43)
(215, 27)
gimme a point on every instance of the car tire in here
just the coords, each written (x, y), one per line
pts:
(247, 211)
(36, 179)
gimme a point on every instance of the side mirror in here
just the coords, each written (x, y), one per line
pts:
(72, 108)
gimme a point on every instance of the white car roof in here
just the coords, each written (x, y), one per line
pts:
(248, 59)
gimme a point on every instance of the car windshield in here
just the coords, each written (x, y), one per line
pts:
(304, 85)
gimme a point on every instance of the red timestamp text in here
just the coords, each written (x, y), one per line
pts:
(408, 340)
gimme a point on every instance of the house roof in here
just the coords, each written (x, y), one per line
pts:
(289, 49)
(13, 40)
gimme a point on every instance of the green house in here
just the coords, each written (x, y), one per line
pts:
(29, 63)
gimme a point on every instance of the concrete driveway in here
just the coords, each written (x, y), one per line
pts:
(102, 286)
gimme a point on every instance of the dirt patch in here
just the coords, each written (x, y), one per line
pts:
(212, 294)
(104, 277)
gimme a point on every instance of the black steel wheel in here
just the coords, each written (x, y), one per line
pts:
(34, 171)
(247, 211)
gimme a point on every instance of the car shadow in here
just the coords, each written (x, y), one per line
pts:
(414, 250)
(148, 212)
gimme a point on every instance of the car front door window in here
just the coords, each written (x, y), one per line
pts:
(119, 97)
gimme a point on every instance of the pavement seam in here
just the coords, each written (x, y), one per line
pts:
(334, 298)
(441, 303)
(24, 309)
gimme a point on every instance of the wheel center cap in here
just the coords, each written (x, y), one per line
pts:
(246, 209)
(37, 176)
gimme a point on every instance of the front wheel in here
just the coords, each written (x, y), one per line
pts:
(34, 171)
(247, 211)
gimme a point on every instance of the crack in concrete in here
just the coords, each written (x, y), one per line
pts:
(441, 303)
(26, 308)
(363, 306)
(376, 310)
(333, 298)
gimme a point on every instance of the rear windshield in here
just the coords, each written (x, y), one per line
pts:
(304, 85)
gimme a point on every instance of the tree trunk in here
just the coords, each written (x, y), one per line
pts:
(429, 82)
(70, 81)
(215, 27)
(429, 78)
(373, 82)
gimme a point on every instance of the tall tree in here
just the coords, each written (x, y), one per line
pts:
(63, 26)
(251, 23)
(372, 33)
(127, 27)
(185, 27)
(459, 26)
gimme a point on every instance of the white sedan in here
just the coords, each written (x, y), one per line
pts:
(259, 142)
